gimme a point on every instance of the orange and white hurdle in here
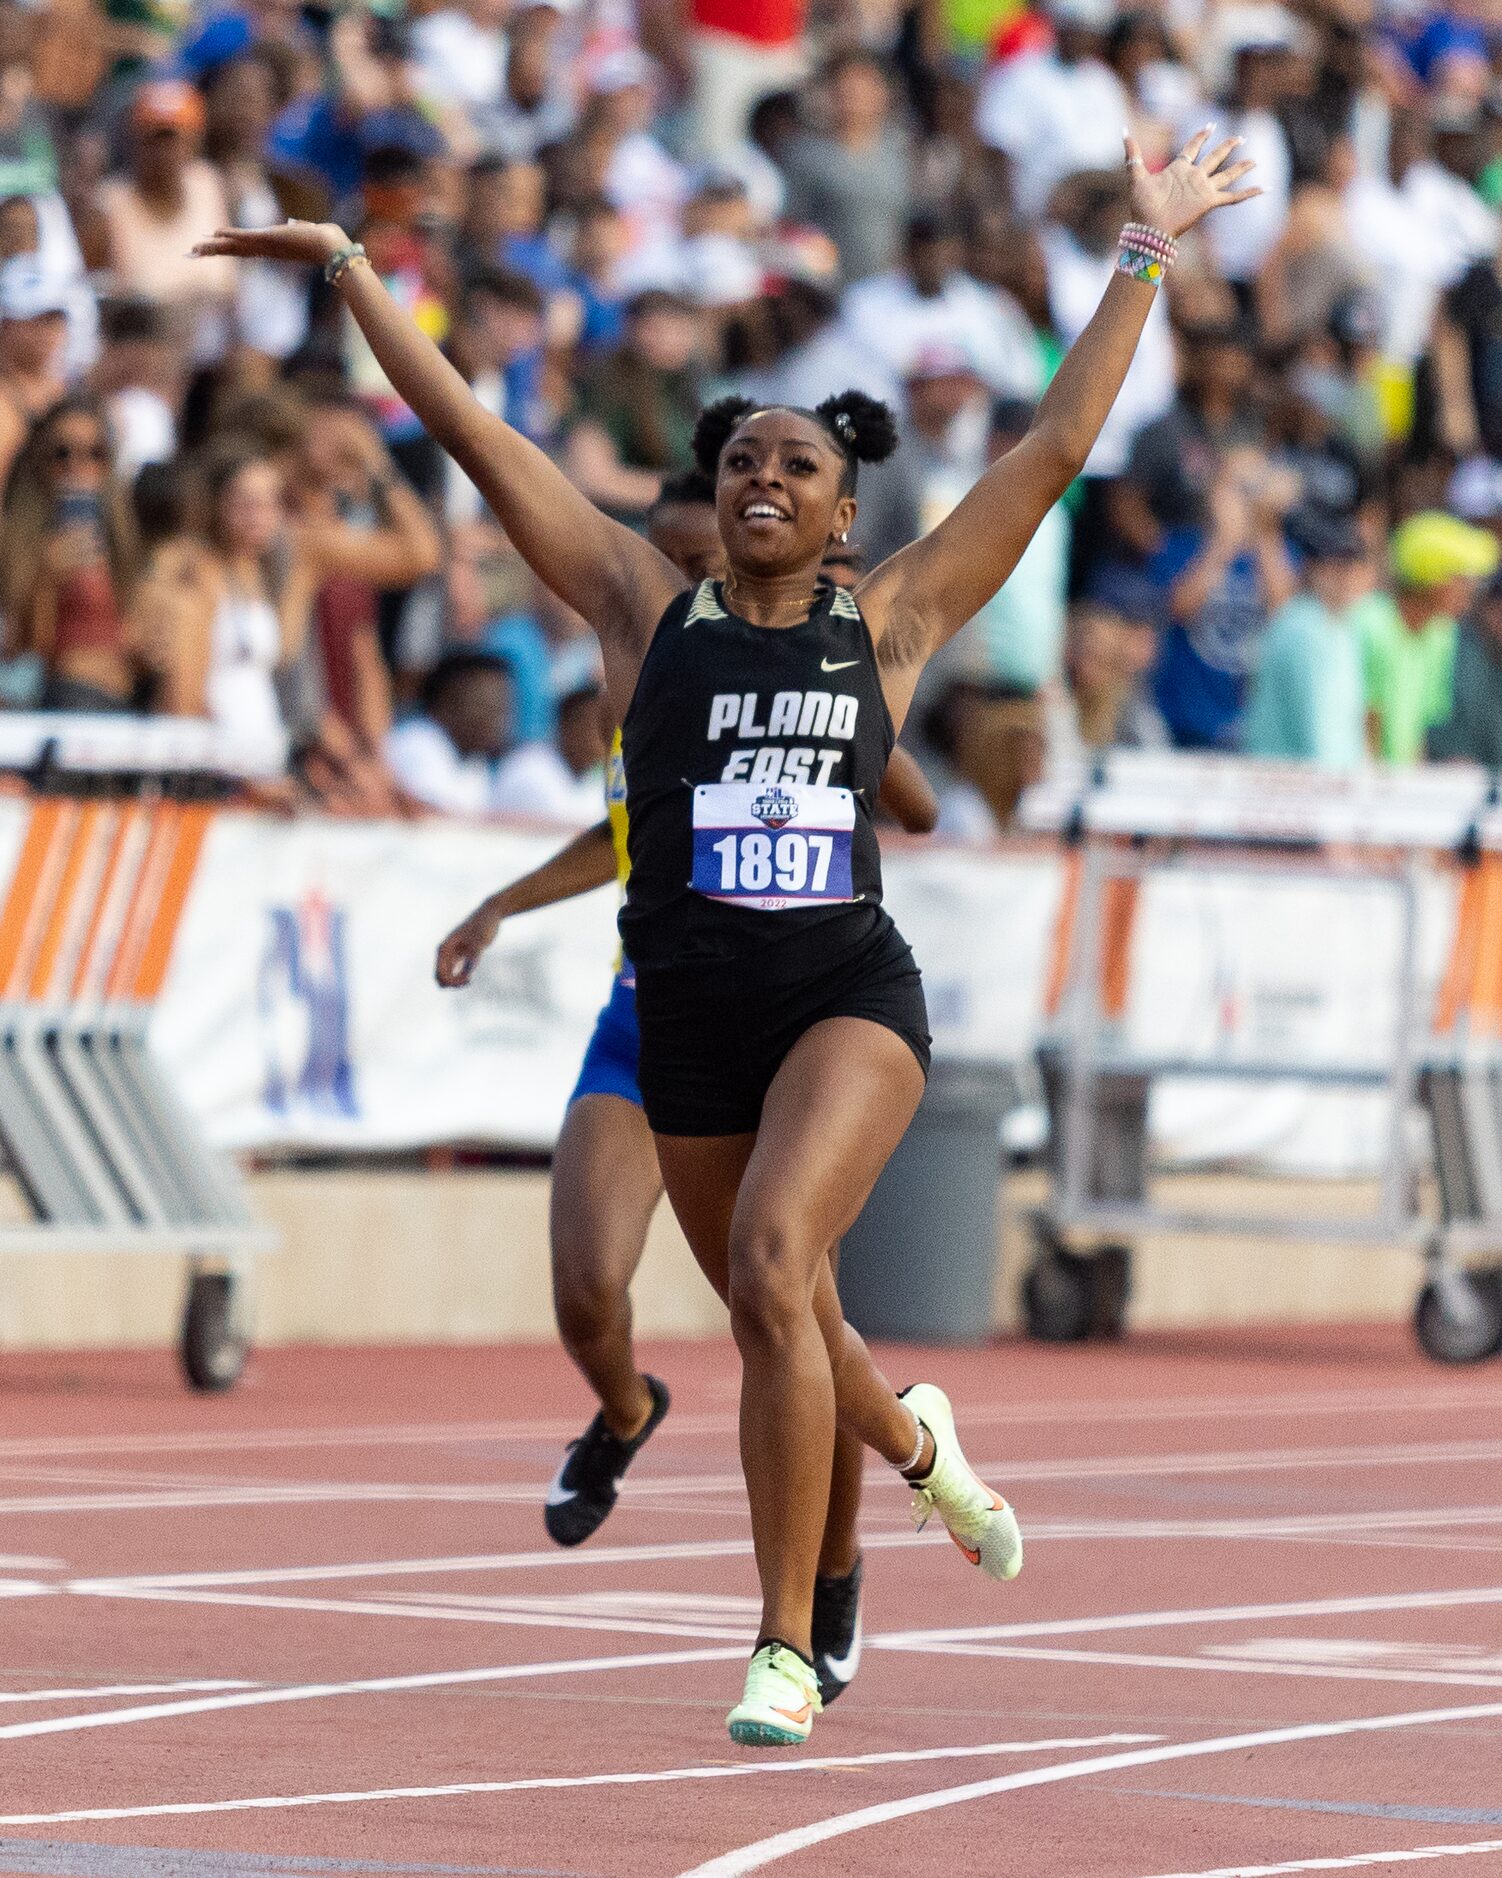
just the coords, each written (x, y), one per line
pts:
(105, 1154)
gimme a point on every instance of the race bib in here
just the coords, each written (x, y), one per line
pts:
(773, 845)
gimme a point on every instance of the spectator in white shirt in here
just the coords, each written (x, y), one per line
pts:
(1080, 252)
(817, 356)
(532, 109)
(1058, 111)
(930, 304)
(1404, 226)
(562, 782)
(447, 756)
(640, 178)
(712, 259)
(461, 51)
(1259, 41)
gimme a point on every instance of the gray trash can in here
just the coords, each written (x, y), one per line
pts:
(919, 1265)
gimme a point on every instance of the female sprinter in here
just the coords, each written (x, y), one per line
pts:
(606, 1181)
(783, 1037)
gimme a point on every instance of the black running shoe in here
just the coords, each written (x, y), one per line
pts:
(585, 1489)
(837, 1632)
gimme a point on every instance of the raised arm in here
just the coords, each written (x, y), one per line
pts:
(617, 581)
(401, 549)
(926, 593)
(586, 862)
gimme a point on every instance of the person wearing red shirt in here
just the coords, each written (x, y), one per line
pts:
(740, 50)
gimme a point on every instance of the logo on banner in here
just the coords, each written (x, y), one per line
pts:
(774, 807)
(303, 998)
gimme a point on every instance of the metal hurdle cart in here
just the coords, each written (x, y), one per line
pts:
(1134, 818)
(103, 1153)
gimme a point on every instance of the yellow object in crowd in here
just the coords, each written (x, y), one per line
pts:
(1432, 548)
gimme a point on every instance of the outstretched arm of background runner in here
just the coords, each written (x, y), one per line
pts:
(923, 595)
(907, 796)
(617, 581)
(587, 862)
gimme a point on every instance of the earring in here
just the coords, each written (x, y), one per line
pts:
(844, 537)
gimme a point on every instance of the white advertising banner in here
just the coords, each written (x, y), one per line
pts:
(301, 1011)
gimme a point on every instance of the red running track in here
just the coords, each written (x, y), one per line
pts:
(315, 1627)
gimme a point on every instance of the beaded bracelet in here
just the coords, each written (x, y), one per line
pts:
(341, 262)
(1145, 253)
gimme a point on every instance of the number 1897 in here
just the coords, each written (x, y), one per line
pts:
(751, 863)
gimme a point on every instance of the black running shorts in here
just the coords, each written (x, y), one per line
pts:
(715, 1031)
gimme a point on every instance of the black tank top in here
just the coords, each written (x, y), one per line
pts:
(753, 756)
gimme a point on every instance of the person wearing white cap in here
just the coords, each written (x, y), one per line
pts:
(1058, 111)
(33, 331)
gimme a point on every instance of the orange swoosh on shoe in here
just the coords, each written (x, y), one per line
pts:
(997, 1505)
(799, 1716)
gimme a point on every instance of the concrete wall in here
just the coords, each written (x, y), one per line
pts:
(385, 1256)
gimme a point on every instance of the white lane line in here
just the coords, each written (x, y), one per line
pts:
(928, 1643)
(1351, 1863)
(1246, 1461)
(278, 1802)
(1209, 1614)
(960, 1642)
(437, 1612)
(763, 1852)
(649, 1489)
(17, 1561)
(1234, 1666)
(25, 1588)
(416, 1567)
(1439, 1400)
(370, 1685)
(120, 1688)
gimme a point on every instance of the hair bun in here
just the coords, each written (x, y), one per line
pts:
(865, 426)
(713, 431)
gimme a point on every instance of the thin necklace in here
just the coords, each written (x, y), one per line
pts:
(807, 605)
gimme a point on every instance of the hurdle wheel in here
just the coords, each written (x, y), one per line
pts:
(1110, 1291)
(214, 1346)
(1458, 1318)
(1058, 1292)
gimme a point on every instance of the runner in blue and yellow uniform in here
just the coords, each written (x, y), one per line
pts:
(606, 1183)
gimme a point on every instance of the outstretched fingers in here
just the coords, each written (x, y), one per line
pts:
(1219, 154)
(1235, 173)
(1192, 149)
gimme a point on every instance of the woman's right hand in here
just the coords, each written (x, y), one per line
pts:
(305, 244)
(460, 952)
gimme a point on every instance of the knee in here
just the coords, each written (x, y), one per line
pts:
(769, 1288)
(586, 1303)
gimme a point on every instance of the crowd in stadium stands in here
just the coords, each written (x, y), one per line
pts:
(1285, 542)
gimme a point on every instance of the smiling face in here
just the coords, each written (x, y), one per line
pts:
(778, 494)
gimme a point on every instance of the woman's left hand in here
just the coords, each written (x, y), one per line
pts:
(313, 244)
(1174, 199)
